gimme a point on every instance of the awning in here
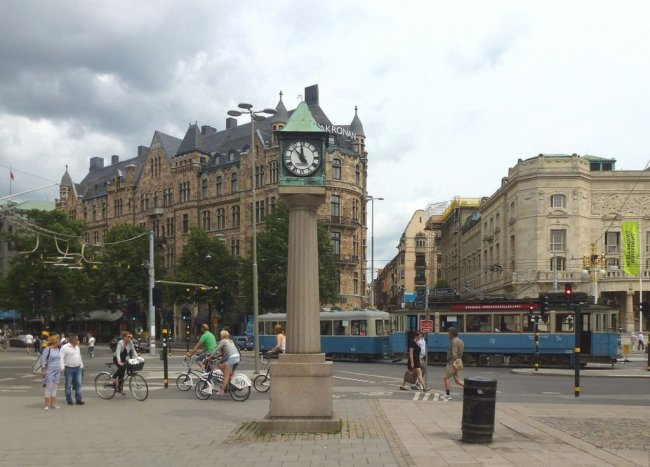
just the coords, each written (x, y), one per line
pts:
(99, 315)
(10, 314)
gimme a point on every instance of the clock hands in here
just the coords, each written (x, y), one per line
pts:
(301, 156)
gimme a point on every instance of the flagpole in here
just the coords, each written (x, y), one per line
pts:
(640, 284)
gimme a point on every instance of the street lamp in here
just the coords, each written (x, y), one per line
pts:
(248, 109)
(594, 265)
(372, 247)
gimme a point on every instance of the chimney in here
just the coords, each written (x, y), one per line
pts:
(231, 122)
(115, 159)
(130, 174)
(96, 163)
(207, 130)
(142, 150)
(311, 94)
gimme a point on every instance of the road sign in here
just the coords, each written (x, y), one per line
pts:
(426, 325)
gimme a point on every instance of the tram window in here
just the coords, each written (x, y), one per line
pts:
(359, 327)
(452, 321)
(563, 322)
(381, 327)
(325, 328)
(479, 323)
(341, 327)
(614, 325)
(507, 323)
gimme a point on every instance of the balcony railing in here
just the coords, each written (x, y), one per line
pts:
(340, 220)
(346, 259)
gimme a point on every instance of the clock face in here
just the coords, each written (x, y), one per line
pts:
(302, 158)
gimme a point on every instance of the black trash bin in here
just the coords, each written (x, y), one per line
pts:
(479, 403)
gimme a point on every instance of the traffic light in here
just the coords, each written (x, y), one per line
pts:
(544, 306)
(157, 296)
(568, 293)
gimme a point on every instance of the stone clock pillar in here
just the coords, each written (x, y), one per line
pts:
(301, 389)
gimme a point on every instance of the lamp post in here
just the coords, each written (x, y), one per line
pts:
(255, 116)
(372, 247)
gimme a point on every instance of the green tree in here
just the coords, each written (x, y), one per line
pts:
(205, 260)
(272, 255)
(124, 265)
(48, 277)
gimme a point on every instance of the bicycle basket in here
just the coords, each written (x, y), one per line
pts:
(134, 364)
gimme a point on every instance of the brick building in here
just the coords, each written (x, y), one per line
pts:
(204, 179)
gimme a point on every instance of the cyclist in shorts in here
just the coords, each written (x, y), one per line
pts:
(229, 358)
(207, 342)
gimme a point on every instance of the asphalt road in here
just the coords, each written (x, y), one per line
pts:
(360, 381)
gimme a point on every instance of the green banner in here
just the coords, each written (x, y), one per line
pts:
(630, 233)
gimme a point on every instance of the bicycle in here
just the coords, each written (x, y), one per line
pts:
(239, 386)
(185, 381)
(106, 388)
(262, 383)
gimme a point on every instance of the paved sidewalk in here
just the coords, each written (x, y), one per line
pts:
(181, 430)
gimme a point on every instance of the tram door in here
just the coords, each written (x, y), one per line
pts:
(412, 323)
(585, 332)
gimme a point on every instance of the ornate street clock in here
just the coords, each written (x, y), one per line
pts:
(302, 150)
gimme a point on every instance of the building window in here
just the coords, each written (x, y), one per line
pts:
(234, 247)
(170, 226)
(170, 257)
(233, 183)
(558, 201)
(272, 205)
(336, 243)
(103, 210)
(259, 176)
(355, 245)
(273, 172)
(235, 216)
(560, 263)
(184, 190)
(613, 242)
(613, 263)
(335, 206)
(206, 221)
(168, 198)
(356, 283)
(259, 211)
(558, 240)
(357, 175)
(204, 188)
(219, 185)
(355, 209)
(336, 169)
(221, 219)
(186, 223)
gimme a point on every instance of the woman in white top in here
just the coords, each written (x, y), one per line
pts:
(280, 340)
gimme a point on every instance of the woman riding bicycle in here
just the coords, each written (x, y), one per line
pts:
(124, 348)
(280, 340)
(229, 358)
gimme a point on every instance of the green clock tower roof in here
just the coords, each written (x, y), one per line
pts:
(302, 120)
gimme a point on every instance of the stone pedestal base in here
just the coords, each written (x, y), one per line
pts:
(301, 395)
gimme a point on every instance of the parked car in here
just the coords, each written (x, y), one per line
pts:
(243, 343)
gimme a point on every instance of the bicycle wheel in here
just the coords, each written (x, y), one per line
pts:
(262, 383)
(104, 386)
(138, 387)
(36, 366)
(184, 382)
(203, 389)
(240, 395)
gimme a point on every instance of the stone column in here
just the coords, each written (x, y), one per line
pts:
(301, 388)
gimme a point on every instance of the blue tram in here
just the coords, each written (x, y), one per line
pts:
(345, 335)
(502, 333)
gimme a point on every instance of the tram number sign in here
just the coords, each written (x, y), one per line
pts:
(426, 325)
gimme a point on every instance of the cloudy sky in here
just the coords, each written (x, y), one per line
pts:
(450, 94)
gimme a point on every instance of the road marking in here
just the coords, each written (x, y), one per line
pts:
(436, 397)
(367, 374)
(551, 393)
(354, 379)
(7, 379)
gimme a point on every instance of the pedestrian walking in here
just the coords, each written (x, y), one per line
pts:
(454, 362)
(29, 342)
(51, 368)
(3, 339)
(641, 340)
(414, 362)
(91, 345)
(73, 366)
(37, 344)
(419, 340)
